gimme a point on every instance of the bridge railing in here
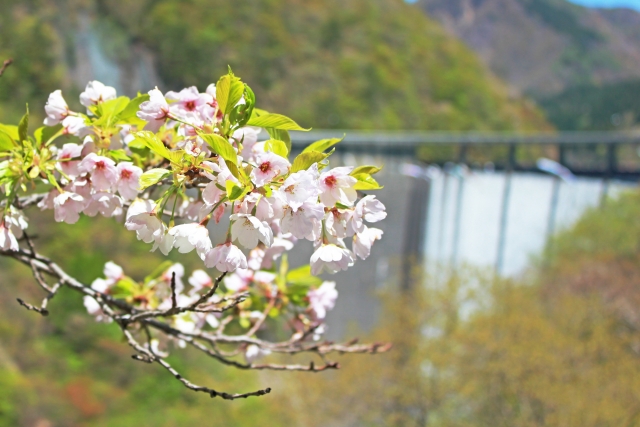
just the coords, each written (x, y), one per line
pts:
(605, 146)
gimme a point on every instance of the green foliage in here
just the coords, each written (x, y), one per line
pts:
(356, 64)
(152, 177)
(304, 160)
(588, 107)
(29, 36)
(221, 146)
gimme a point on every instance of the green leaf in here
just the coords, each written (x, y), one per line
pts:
(322, 145)
(12, 131)
(235, 171)
(302, 276)
(233, 191)
(304, 160)
(223, 87)
(123, 288)
(45, 133)
(158, 271)
(237, 89)
(277, 147)
(368, 169)
(176, 157)
(108, 111)
(120, 155)
(23, 126)
(6, 142)
(220, 146)
(275, 121)
(152, 177)
(280, 135)
(229, 90)
(132, 108)
(366, 182)
(152, 142)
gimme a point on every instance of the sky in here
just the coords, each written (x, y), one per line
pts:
(634, 4)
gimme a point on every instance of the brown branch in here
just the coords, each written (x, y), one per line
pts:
(150, 357)
(5, 65)
(174, 304)
(28, 306)
(262, 318)
(125, 315)
(175, 310)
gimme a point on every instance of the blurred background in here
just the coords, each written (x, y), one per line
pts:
(508, 278)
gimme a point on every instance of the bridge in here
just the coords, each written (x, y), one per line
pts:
(609, 154)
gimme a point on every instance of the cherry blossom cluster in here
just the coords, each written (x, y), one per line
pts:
(171, 166)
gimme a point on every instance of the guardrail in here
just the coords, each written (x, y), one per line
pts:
(407, 143)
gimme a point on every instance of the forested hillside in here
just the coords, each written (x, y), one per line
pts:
(328, 63)
(614, 106)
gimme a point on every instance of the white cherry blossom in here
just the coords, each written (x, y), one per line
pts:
(191, 236)
(56, 109)
(239, 280)
(225, 257)
(155, 111)
(337, 186)
(16, 221)
(363, 241)
(8, 241)
(269, 166)
(74, 125)
(67, 166)
(322, 299)
(280, 245)
(332, 258)
(108, 204)
(371, 209)
(253, 353)
(128, 183)
(142, 218)
(188, 101)
(248, 230)
(104, 174)
(199, 280)
(113, 272)
(163, 240)
(212, 194)
(95, 93)
(67, 207)
(94, 309)
(299, 187)
(101, 285)
(302, 222)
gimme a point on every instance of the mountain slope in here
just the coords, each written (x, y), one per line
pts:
(542, 47)
(374, 64)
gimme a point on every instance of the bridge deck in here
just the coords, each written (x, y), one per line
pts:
(407, 143)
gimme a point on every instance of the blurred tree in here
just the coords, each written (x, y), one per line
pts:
(351, 64)
(562, 350)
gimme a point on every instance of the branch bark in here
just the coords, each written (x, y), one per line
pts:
(127, 316)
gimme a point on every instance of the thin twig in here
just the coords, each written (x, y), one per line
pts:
(5, 64)
(125, 315)
(262, 318)
(28, 306)
(174, 304)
